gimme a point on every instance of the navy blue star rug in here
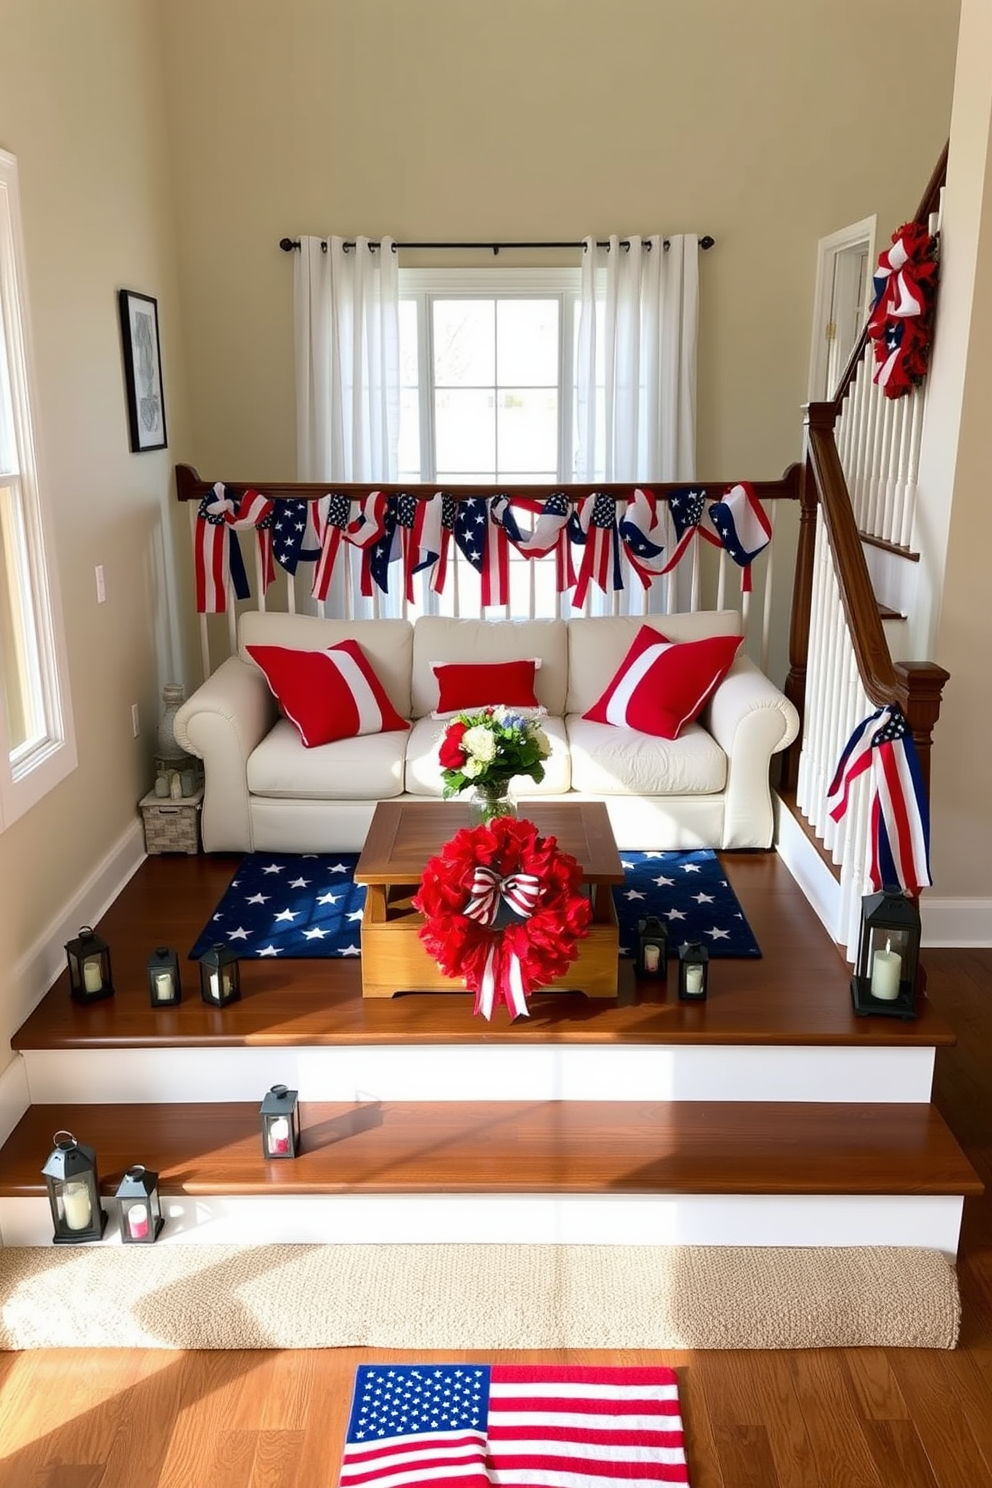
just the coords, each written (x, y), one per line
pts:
(308, 904)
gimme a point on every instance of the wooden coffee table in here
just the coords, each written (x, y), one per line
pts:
(405, 834)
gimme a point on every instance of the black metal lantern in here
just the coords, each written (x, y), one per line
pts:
(652, 948)
(141, 1209)
(886, 973)
(89, 966)
(220, 976)
(73, 1191)
(164, 983)
(694, 968)
(280, 1123)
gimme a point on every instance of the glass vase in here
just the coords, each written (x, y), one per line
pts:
(489, 799)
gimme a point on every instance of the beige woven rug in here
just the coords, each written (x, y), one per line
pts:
(476, 1297)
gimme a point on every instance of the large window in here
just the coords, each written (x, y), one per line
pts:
(487, 363)
(487, 367)
(36, 746)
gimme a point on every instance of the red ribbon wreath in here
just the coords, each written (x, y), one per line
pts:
(899, 323)
(502, 910)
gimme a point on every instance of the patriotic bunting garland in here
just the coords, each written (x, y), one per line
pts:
(409, 535)
(900, 817)
(899, 323)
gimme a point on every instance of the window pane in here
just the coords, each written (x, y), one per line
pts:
(465, 430)
(527, 332)
(408, 443)
(409, 363)
(527, 431)
(464, 343)
(19, 679)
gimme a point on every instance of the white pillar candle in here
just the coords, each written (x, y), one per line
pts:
(694, 979)
(137, 1221)
(885, 970)
(652, 958)
(279, 1136)
(76, 1206)
(92, 975)
(215, 985)
(163, 986)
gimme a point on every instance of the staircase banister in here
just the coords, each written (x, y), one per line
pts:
(864, 623)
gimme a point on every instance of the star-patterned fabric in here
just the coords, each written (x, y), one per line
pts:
(287, 906)
(690, 894)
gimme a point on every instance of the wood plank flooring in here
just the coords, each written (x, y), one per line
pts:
(819, 1419)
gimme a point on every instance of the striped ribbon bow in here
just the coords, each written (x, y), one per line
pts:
(217, 558)
(501, 976)
(519, 891)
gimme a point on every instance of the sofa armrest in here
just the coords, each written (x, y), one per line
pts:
(227, 716)
(751, 719)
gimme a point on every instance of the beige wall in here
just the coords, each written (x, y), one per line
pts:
(768, 124)
(81, 107)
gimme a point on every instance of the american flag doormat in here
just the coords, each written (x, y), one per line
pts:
(288, 906)
(529, 1426)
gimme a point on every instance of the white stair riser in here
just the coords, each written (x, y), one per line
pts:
(478, 1072)
(671, 1219)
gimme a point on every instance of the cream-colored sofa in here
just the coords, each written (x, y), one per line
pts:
(265, 791)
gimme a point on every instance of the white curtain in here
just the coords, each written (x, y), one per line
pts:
(346, 317)
(636, 366)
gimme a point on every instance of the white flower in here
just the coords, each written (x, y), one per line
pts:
(480, 744)
(472, 767)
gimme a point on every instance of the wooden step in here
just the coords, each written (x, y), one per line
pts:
(421, 1147)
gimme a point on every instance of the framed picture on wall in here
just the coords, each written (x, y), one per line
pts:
(142, 370)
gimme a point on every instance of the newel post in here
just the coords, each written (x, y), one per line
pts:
(919, 688)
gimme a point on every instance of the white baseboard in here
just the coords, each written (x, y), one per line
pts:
(956, 922)
(39, 968)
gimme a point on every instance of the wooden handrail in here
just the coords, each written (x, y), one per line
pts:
(191, 487)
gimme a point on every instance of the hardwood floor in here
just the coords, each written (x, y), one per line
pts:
(869, 1418)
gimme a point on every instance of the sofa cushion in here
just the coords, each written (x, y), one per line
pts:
(662, 685)
(438, 638)
(608, 761)
(423, 768)
(597, 646)
(388, 644)
(464, 685)
(364, 768)
(328, 695)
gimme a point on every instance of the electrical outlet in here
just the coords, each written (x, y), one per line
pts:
(135, 720)
(101, 591)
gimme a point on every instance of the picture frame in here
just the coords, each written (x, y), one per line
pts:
(142, 370)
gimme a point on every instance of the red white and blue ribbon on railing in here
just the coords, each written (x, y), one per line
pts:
(218, 561)
(900, 816)
(406, 535)
(899, 323)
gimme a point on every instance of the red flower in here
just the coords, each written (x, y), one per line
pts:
(451, 754)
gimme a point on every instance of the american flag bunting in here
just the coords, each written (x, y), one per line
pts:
(900, 816)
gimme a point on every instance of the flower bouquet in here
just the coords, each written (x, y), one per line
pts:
(484, 750)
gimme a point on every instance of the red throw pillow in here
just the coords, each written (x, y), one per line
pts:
(663, 685)
(329, 695)
(464, 685)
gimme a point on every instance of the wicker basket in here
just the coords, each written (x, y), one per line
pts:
(171, 826)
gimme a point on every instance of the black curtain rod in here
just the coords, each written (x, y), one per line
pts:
(288, 244)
